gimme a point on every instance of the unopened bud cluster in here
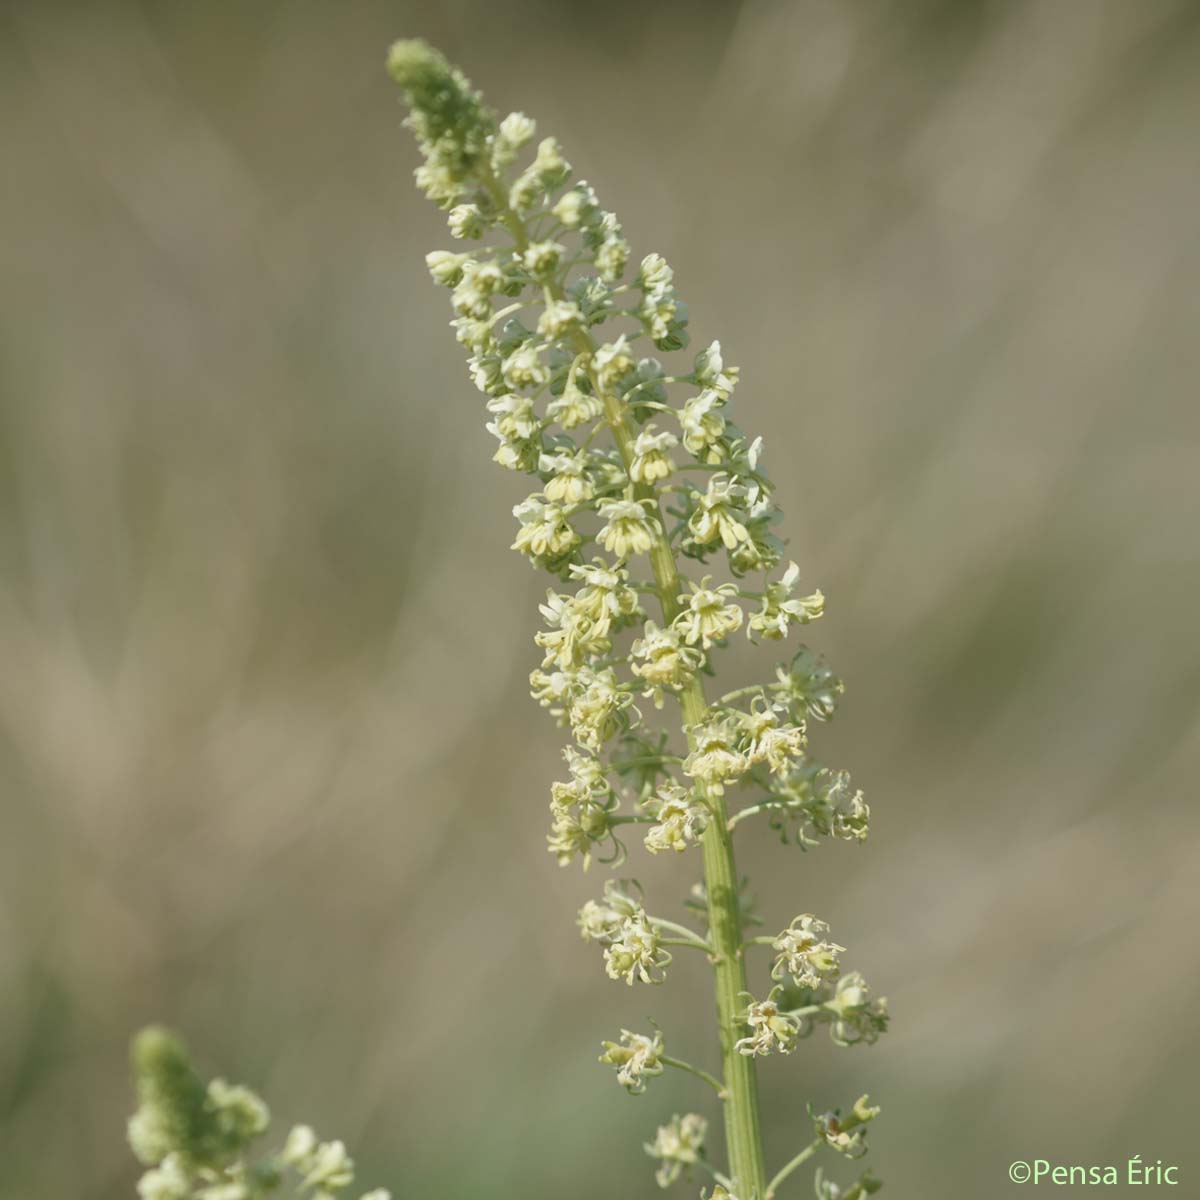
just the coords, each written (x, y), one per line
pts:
(196, 1141)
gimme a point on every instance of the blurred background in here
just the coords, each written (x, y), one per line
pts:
(268, 772)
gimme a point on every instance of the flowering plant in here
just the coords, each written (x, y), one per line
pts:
(195, 1140)
(639, 470)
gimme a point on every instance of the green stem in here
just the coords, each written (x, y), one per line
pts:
(686, 936)
(680, 1065)
(798, 1161)
(808, 1010)
(754, 809)
(723, 1180)
(686, 943)
(647, 761)
(755, 689)
(742, 1134)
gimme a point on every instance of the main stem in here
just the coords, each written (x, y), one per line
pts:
(742, 1134)
(740, 1078)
